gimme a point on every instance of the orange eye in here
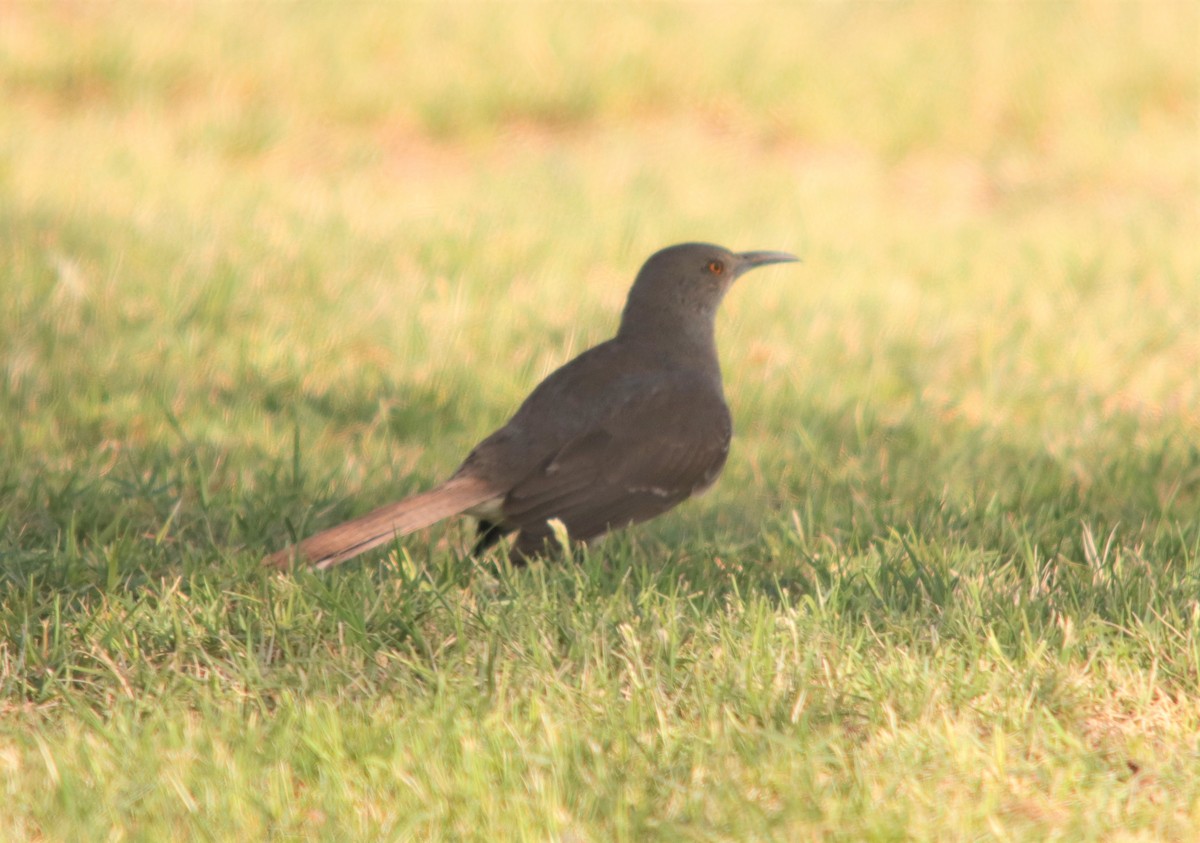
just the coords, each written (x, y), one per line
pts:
(716, 267)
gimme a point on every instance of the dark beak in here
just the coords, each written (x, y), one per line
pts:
(749, 260)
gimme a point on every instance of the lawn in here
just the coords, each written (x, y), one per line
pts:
(265, 266)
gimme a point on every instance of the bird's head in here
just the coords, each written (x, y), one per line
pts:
(687, 282)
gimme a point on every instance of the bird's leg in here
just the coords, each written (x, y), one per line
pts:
(486, 535)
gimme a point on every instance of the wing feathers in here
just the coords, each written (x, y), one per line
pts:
(657, 450)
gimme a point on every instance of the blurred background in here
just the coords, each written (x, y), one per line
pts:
(230, 223)
(267, 265)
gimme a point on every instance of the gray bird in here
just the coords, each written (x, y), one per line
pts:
(622, 433)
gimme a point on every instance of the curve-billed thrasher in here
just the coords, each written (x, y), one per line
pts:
(620, 434)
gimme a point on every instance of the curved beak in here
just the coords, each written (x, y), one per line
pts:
(749, 260)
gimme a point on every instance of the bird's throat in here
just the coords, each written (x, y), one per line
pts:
(666, 339)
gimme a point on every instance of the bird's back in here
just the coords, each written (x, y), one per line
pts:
(588, 393)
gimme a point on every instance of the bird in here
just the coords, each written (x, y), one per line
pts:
(622, 433)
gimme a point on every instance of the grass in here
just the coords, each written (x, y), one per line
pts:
(268, 266)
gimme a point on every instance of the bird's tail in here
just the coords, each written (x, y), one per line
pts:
(345, 541)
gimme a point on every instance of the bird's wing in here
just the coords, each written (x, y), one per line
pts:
(654, 450)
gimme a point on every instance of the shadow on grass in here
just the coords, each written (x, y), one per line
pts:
(918, 522)
(914, 533)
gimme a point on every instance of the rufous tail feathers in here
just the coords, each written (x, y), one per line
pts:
(345, 541)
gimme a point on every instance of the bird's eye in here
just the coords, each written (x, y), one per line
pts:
(716, 267)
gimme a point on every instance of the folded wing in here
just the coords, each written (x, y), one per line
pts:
(655, 450)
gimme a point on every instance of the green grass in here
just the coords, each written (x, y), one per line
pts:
(266, 266)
